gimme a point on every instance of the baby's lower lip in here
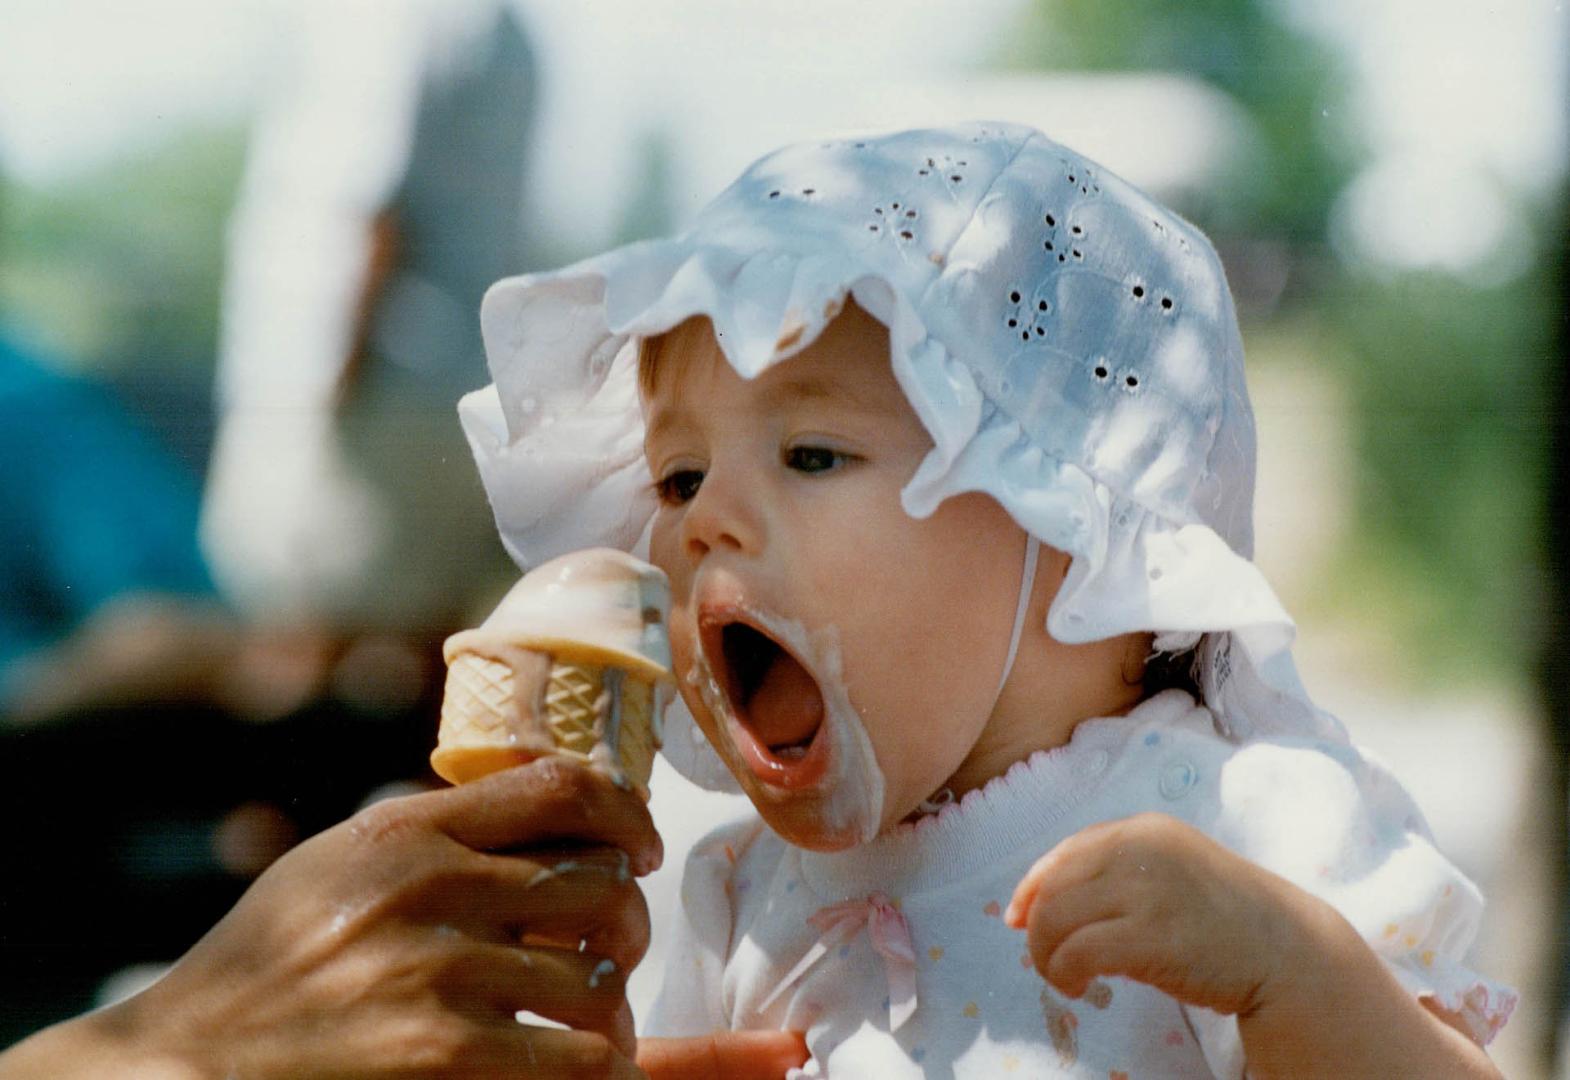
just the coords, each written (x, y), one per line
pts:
(792, 771)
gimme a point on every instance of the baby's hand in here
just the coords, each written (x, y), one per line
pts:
(1155, 900)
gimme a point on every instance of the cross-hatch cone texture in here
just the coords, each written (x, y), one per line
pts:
(573, 662)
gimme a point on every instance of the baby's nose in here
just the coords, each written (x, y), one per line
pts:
(722, 516)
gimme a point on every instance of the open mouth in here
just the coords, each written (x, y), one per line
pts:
(775, 700)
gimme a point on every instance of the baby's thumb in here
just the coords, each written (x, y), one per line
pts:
(725, 1055)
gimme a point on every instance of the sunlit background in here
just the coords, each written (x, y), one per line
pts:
(1383, 178)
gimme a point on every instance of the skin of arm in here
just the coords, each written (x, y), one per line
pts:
(1155, 900)
(402, 942)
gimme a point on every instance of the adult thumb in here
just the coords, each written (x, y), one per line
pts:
(725, 1055)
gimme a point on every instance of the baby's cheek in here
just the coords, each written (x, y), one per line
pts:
(665, 545)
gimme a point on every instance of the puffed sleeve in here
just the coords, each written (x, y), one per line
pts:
(1336, 823)
(690, 1001)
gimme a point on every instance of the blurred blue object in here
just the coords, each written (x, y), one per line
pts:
(92, 507)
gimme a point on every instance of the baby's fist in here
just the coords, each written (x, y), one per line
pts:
(1152, 899)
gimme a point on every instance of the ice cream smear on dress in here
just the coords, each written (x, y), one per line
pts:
(778, 692)
(574, 661)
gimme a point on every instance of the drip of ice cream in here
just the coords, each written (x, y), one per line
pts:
(574, 660)
(851, 791)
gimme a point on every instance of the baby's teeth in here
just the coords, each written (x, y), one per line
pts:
(791, 753)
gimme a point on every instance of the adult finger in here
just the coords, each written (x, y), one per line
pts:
(583, 991)
(549, 799)
(563, 899)
(725, 1055)
(532, 1051)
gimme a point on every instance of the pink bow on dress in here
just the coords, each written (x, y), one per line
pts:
(890, 936)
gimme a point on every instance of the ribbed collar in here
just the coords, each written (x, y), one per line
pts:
(1023, 808)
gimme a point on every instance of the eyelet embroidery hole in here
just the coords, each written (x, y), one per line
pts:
(1166, 303)
(1101, 372)
(1027, 315)
(1139, 292)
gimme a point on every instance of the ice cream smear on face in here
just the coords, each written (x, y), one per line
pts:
(575, 661)
(779, 692)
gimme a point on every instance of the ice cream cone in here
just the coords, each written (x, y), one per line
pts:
(573, 661)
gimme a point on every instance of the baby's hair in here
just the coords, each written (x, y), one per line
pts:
(648, 353)
(1173, 671)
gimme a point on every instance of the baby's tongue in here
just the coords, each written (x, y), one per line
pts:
(787, 707)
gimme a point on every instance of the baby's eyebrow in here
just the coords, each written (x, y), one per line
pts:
(797, 388)
(662, 421)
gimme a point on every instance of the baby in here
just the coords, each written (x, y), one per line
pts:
(943, 440)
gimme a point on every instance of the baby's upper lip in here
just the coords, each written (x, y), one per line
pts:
(713, 618)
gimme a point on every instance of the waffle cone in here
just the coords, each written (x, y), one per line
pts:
(493, 719)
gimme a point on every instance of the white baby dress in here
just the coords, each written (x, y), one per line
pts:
(1313, 811)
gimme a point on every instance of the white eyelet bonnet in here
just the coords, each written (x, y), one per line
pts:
(1070, 345)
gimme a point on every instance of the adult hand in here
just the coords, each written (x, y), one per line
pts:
(402, 943)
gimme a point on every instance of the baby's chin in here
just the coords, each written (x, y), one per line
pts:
(802, 825)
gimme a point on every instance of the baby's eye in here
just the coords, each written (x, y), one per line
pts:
(679, 487)
(814, 459)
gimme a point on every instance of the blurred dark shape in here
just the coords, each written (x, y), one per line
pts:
(141, 794)
(131, 831)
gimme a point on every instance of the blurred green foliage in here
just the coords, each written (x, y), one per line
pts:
(1445, 378)
(1450, 391)
(118, 273)
(1293, 87)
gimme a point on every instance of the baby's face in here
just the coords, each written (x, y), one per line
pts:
(841, 656)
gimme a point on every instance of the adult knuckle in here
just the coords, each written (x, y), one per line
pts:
(632, 921)
(554, 779)
(440, 1043)
(593, 1056)
(391, 821)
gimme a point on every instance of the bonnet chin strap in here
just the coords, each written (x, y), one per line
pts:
(1027, 583)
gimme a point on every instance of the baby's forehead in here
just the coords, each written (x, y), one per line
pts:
(849, 356)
